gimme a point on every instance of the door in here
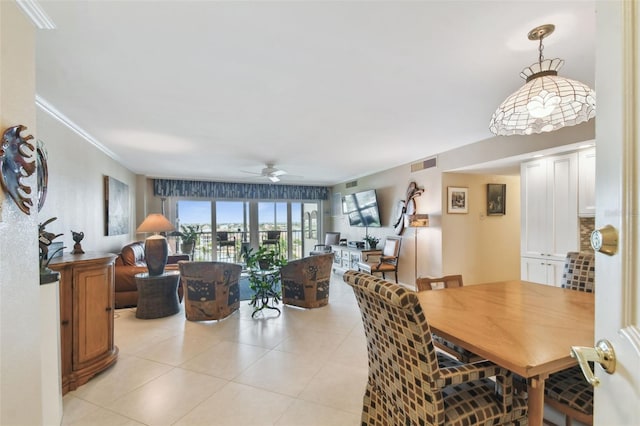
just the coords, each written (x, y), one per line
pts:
(617, 188)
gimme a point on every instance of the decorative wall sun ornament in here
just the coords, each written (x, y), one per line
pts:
(15, 153)
(546, 102)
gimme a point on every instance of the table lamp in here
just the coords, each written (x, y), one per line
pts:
(156, 249)
(417, 221)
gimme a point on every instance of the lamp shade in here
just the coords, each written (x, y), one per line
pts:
(418, 220)
(154, 223)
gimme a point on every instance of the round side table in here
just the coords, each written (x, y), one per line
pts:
(157, 294)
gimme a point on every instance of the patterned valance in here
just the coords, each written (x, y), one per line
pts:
(235, 190)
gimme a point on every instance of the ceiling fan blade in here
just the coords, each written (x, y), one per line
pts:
(278, 173)
(274, 178)
(251, 173)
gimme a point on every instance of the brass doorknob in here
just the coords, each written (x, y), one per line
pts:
(603, 354)
(605, 240)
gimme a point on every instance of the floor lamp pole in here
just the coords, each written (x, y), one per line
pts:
(415, 254)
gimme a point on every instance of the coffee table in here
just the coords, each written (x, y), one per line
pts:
(157, 294)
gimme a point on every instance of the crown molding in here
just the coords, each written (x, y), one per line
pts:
(53, 112)
(36, 13)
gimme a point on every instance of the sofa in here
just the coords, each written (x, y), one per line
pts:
(130, 262)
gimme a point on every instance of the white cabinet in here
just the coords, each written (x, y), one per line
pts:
(549, 216)
(587, 182)
(543, 271)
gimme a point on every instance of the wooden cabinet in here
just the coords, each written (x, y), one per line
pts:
(86, 316)
(587, 182)
(549, 215)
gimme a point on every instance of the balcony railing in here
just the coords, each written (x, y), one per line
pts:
(204, 247)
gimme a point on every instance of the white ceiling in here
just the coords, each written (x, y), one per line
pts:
(326, 90)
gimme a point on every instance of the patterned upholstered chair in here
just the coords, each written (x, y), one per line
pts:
(305, 282)
(410, 383)
(567, 391)
(211, 290)
(385, 261)
(448, 281)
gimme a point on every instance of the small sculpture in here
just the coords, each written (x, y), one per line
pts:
(44, 241)
(77, 237)
(14, 153)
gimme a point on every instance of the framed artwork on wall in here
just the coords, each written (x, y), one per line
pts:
(116, 205)
(496, 199)
(457, 199)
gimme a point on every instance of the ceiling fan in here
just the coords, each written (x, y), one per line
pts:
(271, 172)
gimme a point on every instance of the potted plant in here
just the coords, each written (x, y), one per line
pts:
(264, 258)
(372, 241)
(263, 267)
(189, 237)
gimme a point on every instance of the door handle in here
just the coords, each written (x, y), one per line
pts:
(605, 240)
(602, 353)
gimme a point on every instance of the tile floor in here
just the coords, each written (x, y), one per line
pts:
(305, 367)
(302, 368)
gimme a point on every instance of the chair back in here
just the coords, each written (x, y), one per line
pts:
(403, 364)
(331, 238)
(392, 247)
(448, 281)
(222, 235)
(305, 282)
(273, 235)
(211, 289)
(579, 272)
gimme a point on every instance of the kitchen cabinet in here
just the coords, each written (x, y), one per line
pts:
(86, 316)
(549, 216)
(587, 182)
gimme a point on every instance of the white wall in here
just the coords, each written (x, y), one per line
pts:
(76, 188)
(20, 354)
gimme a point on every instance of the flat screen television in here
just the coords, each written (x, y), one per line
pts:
(362, 209)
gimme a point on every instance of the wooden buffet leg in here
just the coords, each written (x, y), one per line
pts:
(535, 396)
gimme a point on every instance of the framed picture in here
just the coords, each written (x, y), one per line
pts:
(457, 199)
(496, 199)
(116, 204)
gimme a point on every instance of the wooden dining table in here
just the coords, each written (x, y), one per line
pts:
(524, 327)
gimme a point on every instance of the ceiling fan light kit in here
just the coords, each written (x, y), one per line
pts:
(546, 102)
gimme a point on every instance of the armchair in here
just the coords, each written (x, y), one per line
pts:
(409, 381)
(330, 239)
(385, 261)
(305, 282)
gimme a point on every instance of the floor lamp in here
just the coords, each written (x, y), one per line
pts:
(417, 221)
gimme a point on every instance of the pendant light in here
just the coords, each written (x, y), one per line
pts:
(546, 102)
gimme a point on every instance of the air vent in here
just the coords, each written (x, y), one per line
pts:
(424, 164)
(352, 184)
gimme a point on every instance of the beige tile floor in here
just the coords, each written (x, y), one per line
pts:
(304, 367)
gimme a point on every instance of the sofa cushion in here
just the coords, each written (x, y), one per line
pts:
(133, 254)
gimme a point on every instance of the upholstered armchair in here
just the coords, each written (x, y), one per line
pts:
(410, 383)
(211, 290)
(305, 282)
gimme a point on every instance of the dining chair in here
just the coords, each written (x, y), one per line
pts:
(448, 281)
(272, 238)
(211, 290)
(567, 391)
(223, 240)
(409, 382)
(330, 239)
(382, 261)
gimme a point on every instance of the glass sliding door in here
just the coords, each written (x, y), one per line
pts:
(232, 229)
(197, 214)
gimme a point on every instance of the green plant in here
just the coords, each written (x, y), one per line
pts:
(371, 240)
(264, 258)
(190, 233)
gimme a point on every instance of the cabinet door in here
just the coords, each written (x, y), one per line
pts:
(562, 205)
(93, 316)
(355, 259)
(587, 182)
(535, 232)
(541, 271)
